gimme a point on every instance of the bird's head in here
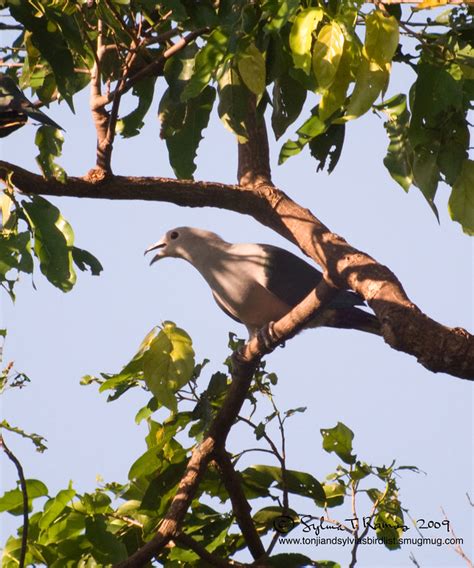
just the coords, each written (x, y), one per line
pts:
(181, 242)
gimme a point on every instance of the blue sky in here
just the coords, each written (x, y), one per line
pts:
(397, 409)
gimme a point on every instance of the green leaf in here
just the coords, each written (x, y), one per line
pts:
(301, 37)
(50, 142)
(339, 440)
(291, 560)
(268, 515)
(297, 482)
(183, 140)
(107, 548)
(278, 13)
(54, 239)
(426, 173)
(334, 98)
(334, 494)
(313, 127)
(179, 69)
(327, 54)
(168, 364)
(233, 103)
(52, 44)
(38, 441)
(399, 158)
(370, 81)
(146, 464)
(15, 253)
(207, 61)
(12, 501)
(251, 66)
(327, 147)
(461, 201)
(131, 124)
(288, 100)
(381, 37)
(84, 260)
(54, 507)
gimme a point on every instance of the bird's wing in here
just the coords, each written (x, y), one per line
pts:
(13, 101)
(292, 279)
(224, 308)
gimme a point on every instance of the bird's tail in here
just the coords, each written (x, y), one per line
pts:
(354, 318)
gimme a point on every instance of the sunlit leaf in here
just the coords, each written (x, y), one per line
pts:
(207, 61)
(251, 66)
(339, 440)
(301, 37)
(381, 37)
(370, 81)
(327, 54)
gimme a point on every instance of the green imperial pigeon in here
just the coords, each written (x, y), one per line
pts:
(258, 284)
(15, 108)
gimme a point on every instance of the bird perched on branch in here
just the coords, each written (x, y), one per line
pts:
(15, 108)
(256, 284)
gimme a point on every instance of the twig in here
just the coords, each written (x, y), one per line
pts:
(457, 547)
(265, 436)
(24, 490)
(240, 505)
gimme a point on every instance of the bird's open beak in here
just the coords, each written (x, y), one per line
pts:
(160, 254)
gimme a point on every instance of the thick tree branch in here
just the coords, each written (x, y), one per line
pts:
(404, 326)
(254, 156)
(240, 505)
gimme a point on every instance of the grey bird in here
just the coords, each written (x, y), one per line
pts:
(256, 284)
(15, 108)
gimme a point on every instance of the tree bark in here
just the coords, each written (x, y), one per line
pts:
(404, 327)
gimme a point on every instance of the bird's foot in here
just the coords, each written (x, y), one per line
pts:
(267, 337)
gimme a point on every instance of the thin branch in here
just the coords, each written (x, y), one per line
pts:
(24, 491)
(187, 541)
(265, 436)
(457, 547)
(156, 67)
(414, 560)
(240, 505)
(236, 457)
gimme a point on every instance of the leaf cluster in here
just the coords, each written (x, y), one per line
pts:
(34, 227)
(111, 523)
(338, 55)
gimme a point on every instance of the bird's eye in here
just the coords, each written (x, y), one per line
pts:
(174, 235)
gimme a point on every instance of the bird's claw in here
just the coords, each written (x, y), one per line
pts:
(267, 337)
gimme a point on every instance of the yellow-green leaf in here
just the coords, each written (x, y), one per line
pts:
(333, 98)
(430, 4)
(381, 37)
(370, 81)
(327, 54)
(5, 207)
(461, 202)
(251, 65)
(168, 364)
(301, 37)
